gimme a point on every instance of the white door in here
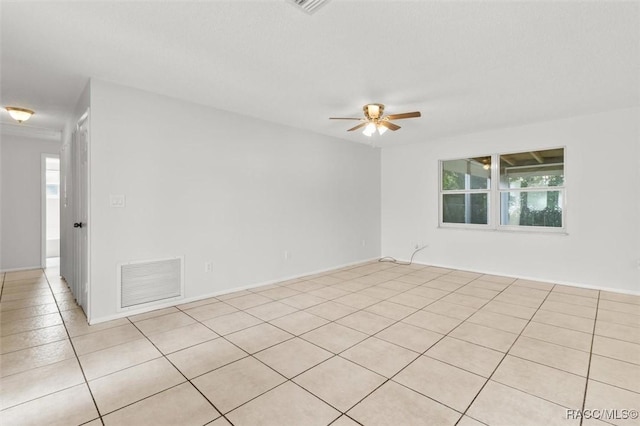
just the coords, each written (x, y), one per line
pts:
(72, 189)
(80, 285)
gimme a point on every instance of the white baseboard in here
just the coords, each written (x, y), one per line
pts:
(183, 301)
(26, 268)
(561, 282)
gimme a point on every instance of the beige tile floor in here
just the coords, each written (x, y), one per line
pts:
(372, 344)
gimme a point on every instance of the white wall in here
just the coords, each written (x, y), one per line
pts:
(212, 185)
(21, 220)
(602, 248)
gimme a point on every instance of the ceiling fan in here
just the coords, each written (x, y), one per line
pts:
(374, 120)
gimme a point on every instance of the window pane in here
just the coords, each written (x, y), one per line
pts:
(465, 174)
(53, 190)
(52, 163)
(465, 208)
(535, 208)
(534, 169)
(52, 176)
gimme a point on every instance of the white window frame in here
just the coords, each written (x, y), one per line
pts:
(495, 194)
(489, 191)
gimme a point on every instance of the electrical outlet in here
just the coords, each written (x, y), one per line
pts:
(208, 266)
(364, 243)
(287, 255)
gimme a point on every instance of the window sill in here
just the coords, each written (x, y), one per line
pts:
(537, 231)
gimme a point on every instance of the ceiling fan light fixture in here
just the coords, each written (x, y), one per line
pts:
(19, 114)
(374, 111)
(370, 129)
(374, 119)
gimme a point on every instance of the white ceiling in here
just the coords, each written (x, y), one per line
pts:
(467, 66)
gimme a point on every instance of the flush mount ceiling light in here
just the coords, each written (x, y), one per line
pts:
(373, 119)
(19, 114)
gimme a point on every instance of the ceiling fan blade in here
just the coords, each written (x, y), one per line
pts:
(359, 126)
(403, 115)
(344, 118)
(389, 125)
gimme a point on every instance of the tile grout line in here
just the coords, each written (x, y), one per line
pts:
(249, 355)
(163, 355)
(432, 345)
(305, 310)
(71, 344)
(361, 309)
(287, 379)
(333, 355)
(505, 356)
(586, 382)
(2, 285)
(75, 353)
(616, 386)
(293, 337)
(413, 286)
(442, 338)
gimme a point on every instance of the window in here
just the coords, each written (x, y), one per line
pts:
(466, 185)
(52, 176)
(53, 183)
(532, 189)
(523, 190)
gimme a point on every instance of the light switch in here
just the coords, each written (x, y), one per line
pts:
(116, 201)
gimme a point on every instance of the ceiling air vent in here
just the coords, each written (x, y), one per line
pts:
(309, 6)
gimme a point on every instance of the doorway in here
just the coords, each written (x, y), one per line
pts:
(74, 265)
(50, 210)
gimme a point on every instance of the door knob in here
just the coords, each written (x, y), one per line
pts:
(77, 225)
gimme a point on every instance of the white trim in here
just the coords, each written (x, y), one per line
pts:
(43, 210)
(225, 291)
(86, 116)
(542, 280)
(43, 206)
(494, 193)
(490, 225)
(532, 229)
(83, 118)
(505, 230)
(24, 268)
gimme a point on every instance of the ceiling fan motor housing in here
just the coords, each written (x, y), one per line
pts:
(373, 111)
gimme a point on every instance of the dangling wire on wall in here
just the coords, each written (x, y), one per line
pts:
(397, 262)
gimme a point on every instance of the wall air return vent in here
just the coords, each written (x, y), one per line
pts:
(150, 282)
(309, 6)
